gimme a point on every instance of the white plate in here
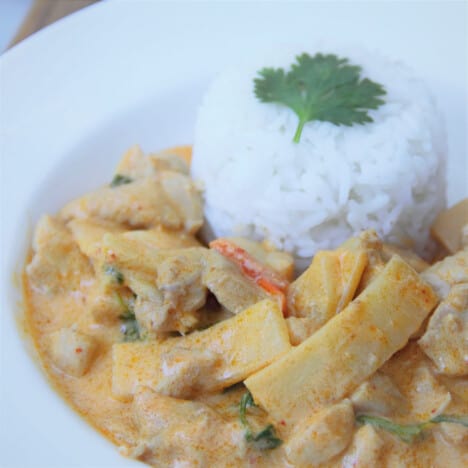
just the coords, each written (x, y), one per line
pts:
(75, 95)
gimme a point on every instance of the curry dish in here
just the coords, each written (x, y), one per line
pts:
(189, 355)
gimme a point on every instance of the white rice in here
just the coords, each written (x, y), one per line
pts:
(388, 175)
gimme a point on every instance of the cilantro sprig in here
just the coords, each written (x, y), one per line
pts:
(120, 179)
(263, 440)
(114, 274)
(409, 432)
(130, 327)
(322, 87)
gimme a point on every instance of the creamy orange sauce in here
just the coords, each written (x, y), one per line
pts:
(91, 394)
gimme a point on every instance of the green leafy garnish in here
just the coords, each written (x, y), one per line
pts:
(263, 440)
(463, 420)
(120, 179)
(130, 327)
(409, 432)
(115, 275)
(322, 87)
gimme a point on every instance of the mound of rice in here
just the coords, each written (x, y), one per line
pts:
(388, 175)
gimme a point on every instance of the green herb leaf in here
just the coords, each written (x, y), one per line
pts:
(409, 432)
(120, 179)
(265, 439)
(130, 327)
(463, 420)
(246, 401)
(115, 275)
(322, 87)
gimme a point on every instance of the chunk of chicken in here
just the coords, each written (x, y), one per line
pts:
(161, 238)
(378, 395)
(428, 397)
(136, 165)
(446, 337)
(411, 258)
(170, 301)
(71, 351)
(365, 449)
(107, 298)
(168, 282)
(455, 433)
(108, 303)
(88, 234)
(320, 437)
(185, 196)
(232, 289)
(184, 370)
(57, 264)
(448, 226)
(448, 272)
(169, 198)
(176, 433)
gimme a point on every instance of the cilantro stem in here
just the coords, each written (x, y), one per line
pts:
(265, 439)
(409, 432)
(297, 135)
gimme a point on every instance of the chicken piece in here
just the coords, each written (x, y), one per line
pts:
(170, 199)
(232, 289)
(300, 328)
(379, 396)
(141, 251)
(446, 337)
(57, 264)
(320, 437)
(170, 300)
(448, 225)
(455, 434)
(411, 258)
(185, 196)
(107, 298)
(180, 433)
(71, 351)
(161, 238)
(179, 278)
(327, 286)
(457, 386)
(281, 262)
(109, 304)
(88, 234)
(365, 449)
(136, 165)
(428, 398)
(184, 371)
(449, 271)
(168, 282)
